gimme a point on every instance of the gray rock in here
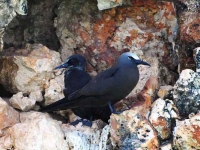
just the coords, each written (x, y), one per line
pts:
(186, 92)
(8, 10)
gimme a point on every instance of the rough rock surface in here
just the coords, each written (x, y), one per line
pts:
(106, 4)
(186, 134)
(22, 102)
(29, 70)
(8, 10)
(189, 28)
(145, 28)
(196, 56)
(161, 115)
(37, 131)
(54, 91)
(186, 92)
(131, 130)
(165, 91)
(86, 138)
(36, 95)
(8, 116)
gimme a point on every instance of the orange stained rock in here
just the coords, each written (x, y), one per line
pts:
(149, 91)
(196, 133)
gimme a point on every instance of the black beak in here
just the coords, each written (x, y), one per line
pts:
(140, 62)
(65, 65)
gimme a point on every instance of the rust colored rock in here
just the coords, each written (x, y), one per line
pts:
(130, 130)
(186, 133)
(161, 115)
(164, 91)
(8, 116)
(143, 28)
(30, 72)
(148, 93)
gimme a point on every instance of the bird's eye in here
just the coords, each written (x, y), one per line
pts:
(130, 57)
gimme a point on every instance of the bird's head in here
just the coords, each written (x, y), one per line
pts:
(129, 58)
(74, 61)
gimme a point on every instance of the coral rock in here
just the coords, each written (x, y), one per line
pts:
(186, 134)
(28, 72)
(8, 116)
(36, 131)
(87, 138)
(130, 130)
(22, 103)
(186, 92)
(161, 115)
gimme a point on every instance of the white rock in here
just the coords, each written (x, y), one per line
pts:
(22, 103)
(36, 95)
(55, 90)
(37, 131)
(85, 138)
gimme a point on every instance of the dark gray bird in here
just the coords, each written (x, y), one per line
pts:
(76, 78)
(107, 88)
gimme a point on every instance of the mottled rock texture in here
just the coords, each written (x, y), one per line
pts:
(8, 116)
(189, 28)
(147, 28)
(36, 131)
(186, 92)
(87, 138)
(162, 113)
(196, 56)
(8, 10)
(29, 69)
(36, 27)
(186, 134)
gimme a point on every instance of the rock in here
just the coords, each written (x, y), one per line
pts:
(8, 10)
(55, 90)
(196, 56)
(148, 93)
(145, 28)
(186, 92)
(86, 138)
(145, 97)
(8, 116)
(29, 70)
(106, 4)
(36, 95)
(36, 131)
(131, 130)
(186, 133)
(161, 115)
(164, 91)
(167, 146)
(22, 103)
(189, 27)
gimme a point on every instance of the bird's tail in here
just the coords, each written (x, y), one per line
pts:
(62, 104)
